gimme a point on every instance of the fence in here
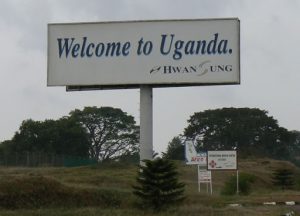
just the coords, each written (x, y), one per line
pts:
(39, 159)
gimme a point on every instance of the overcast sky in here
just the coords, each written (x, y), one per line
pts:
(270, 62)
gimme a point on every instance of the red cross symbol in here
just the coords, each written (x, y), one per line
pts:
(212, 164)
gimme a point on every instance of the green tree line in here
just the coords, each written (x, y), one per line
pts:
(108, 133)
(99, 133)
(249, 130)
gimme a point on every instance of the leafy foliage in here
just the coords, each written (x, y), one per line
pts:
(63, 136)
(175, 150)
(158, 185)
(245, 181)
(252, 131)
(295, 147)
(284, 178)
(111, 132)
(99, 133)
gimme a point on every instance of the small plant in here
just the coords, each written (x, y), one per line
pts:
(158, 186)
(245, 181)
(284, 178)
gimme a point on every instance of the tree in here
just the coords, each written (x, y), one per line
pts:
(5, 147)
(252, 131)
(158, 185)
(63, 136)
(295, 146)
(71, 138)
(296, 137)
(111, 132)
(175, 149)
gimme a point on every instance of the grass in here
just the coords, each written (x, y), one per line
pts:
(106, 190)
(186, 210)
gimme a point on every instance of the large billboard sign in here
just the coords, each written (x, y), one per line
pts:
(156, 53)
(221, 160)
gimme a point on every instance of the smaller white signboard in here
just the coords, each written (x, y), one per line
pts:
(221, 160)
(192, 157)
(204, 176)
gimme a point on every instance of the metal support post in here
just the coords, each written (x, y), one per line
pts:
(146, 123)
(237, 182)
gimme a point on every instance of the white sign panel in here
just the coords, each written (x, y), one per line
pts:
(192, 157)
(221, 160)
(156, 53)
(204, 176)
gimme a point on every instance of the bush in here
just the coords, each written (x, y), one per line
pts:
(284, 178)
(158, 187)
(245, 181)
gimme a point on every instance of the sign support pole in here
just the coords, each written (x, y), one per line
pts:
(211, 186)
(199, 184)
(237, 182)
(146, 123)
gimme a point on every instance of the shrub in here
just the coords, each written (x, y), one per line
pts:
(283, 178)
(245, 181)
(158, 186)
